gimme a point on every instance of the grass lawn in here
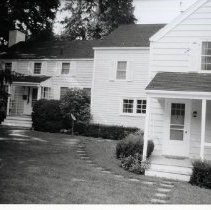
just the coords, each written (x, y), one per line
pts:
(103, 153)
(44, 168)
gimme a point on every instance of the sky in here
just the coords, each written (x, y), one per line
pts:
(147, 11)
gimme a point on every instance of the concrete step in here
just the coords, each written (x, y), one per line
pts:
(171, 168)
(18, 121)
(168, 175)
(19, 118)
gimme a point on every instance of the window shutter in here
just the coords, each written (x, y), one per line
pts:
(44, 68)
(31, 67)
(129, 71)
(195, 52)
(59, 68)
(14, 66)
(112, 71)
(73, 68)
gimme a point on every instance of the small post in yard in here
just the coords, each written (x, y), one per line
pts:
(73, 121)
(203, 127)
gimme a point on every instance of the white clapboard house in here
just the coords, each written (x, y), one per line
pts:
(178, 116)
(48, 69)
(163, 80)
(155, 77)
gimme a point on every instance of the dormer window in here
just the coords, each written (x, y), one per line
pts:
(121, 70)
(206, 56)
(37, 68)
(65, 68)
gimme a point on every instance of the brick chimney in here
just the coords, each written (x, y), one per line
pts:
(15, 36)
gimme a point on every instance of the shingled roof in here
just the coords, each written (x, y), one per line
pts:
(132, 35)
(52, 49)
(171, 81)
(31, 79)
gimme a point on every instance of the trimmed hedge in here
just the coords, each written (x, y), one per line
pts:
(104, 131)
(132, 145)
(46, 116)
(201, 175)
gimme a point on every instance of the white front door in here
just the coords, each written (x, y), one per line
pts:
(177, 128)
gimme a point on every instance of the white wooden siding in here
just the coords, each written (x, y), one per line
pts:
(80, 72)
(108, 93)
(179, 51)
(173, 52)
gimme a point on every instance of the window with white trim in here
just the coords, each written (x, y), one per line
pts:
(8, 66)
(46, 93)
(128, 106)
(63, 91)
(121, 70)
(141, 106)
(37, 68)
(65, 68)
(134, 106)
(206, 56)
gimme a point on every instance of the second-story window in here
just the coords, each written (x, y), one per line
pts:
(206, 56)
(8, 66)
(37, 68)
(121, 70)
(65, 68)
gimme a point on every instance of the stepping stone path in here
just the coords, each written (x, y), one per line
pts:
(147, 183)
(134, 180)
(162, 192)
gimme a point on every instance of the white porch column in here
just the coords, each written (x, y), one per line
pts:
(203, 127)
(146, 129)
(39, 93)
(8, 100)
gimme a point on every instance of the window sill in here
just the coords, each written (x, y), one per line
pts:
(132, 115)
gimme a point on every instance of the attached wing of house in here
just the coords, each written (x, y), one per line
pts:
(178, 114)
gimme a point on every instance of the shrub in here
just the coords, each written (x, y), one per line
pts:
(201, 175)
(133, 164)
(3, 104)
(46, 116)
(133, 144)
(76, 102)
(104, 131)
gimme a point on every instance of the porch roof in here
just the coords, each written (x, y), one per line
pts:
(175, 81)
(31, 79)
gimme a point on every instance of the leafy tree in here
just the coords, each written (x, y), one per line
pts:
(35, 17)
(93, 19)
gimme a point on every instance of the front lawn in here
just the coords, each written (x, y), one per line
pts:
(103, 153)
(43, 168)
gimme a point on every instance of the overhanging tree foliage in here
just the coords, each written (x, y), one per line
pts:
(94, 19)
(33, 17)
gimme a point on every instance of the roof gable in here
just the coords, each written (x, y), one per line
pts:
(130, 35)
(177, 21)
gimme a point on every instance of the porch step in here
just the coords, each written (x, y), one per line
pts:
(170, 170)
(18, 121)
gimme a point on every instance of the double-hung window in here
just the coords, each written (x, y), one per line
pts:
(65, 68)
(206, 56)
(8, 66)
(37, 68)
(46, 93)
(63, 91)
(134, 106)
(121, 70)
